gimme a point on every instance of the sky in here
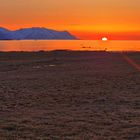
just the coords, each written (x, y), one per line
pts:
(87, 19)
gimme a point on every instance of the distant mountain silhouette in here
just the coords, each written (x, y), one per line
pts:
(5, 34)
(34, 33)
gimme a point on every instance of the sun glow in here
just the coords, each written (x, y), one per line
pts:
(104, 38)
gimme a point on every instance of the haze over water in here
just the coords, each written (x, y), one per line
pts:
(82, 45)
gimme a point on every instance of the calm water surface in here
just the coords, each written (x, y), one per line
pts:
(48, 45)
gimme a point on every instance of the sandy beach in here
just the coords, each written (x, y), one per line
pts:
(64, 95)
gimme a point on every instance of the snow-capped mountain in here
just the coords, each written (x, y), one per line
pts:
(34, 33)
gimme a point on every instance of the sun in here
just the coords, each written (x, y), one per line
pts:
(104, 38)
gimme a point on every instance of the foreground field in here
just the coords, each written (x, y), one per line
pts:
(69, 96)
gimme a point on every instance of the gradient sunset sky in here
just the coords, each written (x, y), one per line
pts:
(87, 19)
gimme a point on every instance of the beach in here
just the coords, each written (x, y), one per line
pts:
(69, 95)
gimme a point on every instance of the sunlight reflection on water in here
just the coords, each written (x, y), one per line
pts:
(48, 45)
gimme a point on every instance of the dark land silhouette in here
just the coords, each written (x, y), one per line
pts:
(65, 95)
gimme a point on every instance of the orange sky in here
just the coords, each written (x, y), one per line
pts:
(87, 19)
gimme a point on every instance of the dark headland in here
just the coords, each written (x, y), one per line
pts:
(37, 33)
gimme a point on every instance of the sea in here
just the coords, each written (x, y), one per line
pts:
(74, 45)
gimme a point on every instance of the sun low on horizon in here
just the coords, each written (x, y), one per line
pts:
(104, 39)
(86, 19)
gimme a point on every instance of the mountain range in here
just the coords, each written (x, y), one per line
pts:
(36, 33)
